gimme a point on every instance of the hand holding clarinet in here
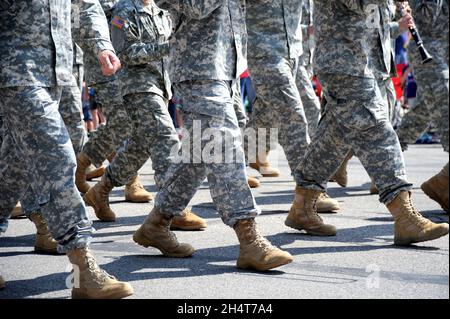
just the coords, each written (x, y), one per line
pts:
(407, 22)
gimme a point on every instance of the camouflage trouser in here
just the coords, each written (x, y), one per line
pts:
(391, 97)
(108, 138)
(70, 108)
(37, 150)
(208, 105)
(279, 105)
(310, 101)
(355, 118)
(152, 136)
(432, 105)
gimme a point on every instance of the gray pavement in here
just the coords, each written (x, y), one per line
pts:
(361, 262)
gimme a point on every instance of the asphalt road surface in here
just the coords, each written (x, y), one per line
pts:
(361, 262)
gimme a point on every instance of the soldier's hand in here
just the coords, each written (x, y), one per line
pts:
(109, 62)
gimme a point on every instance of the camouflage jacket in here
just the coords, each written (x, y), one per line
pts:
(353, 38)
(274, 28)
(210, 39)
(36, 40)
(431, 19)
(93, 73)
(140, 35)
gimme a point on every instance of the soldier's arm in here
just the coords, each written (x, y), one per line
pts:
(129, 47)
(94, 30)
(192, 9)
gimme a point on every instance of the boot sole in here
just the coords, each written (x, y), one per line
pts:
(432, 194)
(46, 252)
(293, 225)
(270, 175)
(274, 264)
(399, 242)
(333, 211)
(114, 295)
(144, 242)
(193, 228)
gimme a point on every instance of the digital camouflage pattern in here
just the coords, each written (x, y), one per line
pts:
(221, 52)
(271, 27)
(356, 114)
(37, 149)
(209, 105)
(141, 40)
(432, 103)
(274, 29)
(208, 56)
(346, 46)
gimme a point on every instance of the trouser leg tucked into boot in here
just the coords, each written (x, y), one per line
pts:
(44, 240)
(91, 282)
(98, 198)
(410, 225)
(303, 214)
(83, 162)
(256, 252)
(155, 232)
(188, 221)
(136, 193)
(437, 188)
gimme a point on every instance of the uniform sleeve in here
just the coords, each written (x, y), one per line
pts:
(93, 26)
(192, 9)
(128, 45)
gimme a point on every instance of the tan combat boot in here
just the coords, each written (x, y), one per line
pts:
(326, 204)
(98, 198)
(263, 166)
(410, 225)
(44, 240)
(303, 214)
(136, 193)
(256, 252)
(17, 212)
(2, 283)
(437, 188)
(94, 172)
(341, 175)
(83, 162)
(253, 182)
(91, 282)
(188, 221)
(155, 232)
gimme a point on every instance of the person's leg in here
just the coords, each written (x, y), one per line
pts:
(311, 103)
(108, 138)
(43, 142)
(208, 110)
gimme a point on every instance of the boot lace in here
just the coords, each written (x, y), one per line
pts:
(99, 275)
(415, 216)
(260, 241)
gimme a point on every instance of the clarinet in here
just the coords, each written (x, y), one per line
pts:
(426, 56)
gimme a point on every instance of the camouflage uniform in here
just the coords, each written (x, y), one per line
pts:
(431, 18)
(275, 45)
(70, 108)
(311, 102)
(108, 138)
(140, 35)
(353, 61)
(35, 66)
(207, 57)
